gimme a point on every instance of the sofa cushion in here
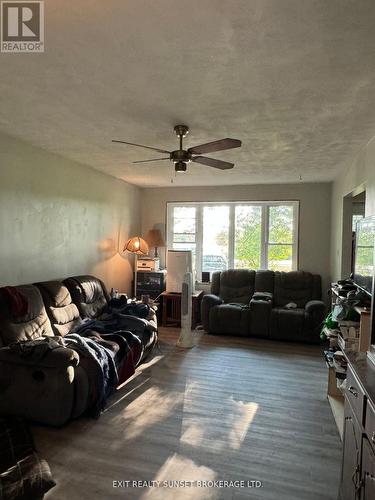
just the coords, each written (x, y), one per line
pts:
(287, 324)
(89, 294)
(33, 324)
(294, 286)
(237, 285)
(230, 319)
(63, 314)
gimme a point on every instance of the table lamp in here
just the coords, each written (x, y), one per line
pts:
(155, 239)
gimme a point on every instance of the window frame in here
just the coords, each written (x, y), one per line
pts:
(265, 206)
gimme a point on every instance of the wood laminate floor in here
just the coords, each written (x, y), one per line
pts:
(230, 409)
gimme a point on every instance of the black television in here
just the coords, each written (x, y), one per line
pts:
(363, 275)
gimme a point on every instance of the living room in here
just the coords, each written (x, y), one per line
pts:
(278, 95)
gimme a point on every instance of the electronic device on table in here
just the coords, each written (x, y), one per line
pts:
(148, 264)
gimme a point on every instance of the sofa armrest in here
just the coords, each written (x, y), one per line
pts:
(208, 301)
(315, 307)
(260, 315)
(43, 391)
(57, 358)
(316, 312)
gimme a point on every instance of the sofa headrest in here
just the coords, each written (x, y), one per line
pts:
(61, 310)
(92, 290)
(296, 286)
(264, 281)
(294, 280)
(89, 294)
(33, 324)
(56, 292)
(237, 285)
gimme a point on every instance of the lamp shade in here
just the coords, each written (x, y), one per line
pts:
(136, 245)
(154, 238)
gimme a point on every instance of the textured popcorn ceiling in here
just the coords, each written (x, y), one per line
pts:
(293, 79)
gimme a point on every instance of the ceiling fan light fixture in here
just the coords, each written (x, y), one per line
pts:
(180, 166)
(181, 157)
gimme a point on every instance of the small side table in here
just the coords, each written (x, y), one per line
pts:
(172, 309)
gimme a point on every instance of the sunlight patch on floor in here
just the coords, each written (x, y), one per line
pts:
(150, 408)
(216, 430)
(123, 393)
(242, 418)
(179, 468)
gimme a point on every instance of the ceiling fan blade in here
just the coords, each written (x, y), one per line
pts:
(153, 159)
(219, 145)
(211, 162)
(142, 146)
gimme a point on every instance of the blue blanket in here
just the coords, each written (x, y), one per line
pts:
(105, 363)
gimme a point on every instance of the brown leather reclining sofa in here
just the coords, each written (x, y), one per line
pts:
(56, 388)
(253, 304)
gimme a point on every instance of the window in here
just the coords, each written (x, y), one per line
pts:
(248, 237)
(215, 238)
(255, 235)
(280, 237)
(355, 219)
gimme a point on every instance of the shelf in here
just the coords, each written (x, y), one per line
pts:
(337, 406)
(362, 310)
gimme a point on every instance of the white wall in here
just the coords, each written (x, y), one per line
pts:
(59, 218)
(315, 216)
(357, 172)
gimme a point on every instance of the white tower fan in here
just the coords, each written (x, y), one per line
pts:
(186, 336)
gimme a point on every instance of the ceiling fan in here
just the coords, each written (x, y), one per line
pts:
(181, 157)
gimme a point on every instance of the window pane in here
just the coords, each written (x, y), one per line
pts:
(183, 229)
(215, 238)
(183, 237)
(248, 231)
(184, 212)
(184, 225)
(280, 257)
(355, 219)
(280, 224)
(365, 236)
(184, 246)
(365, 250)
(364, 261)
